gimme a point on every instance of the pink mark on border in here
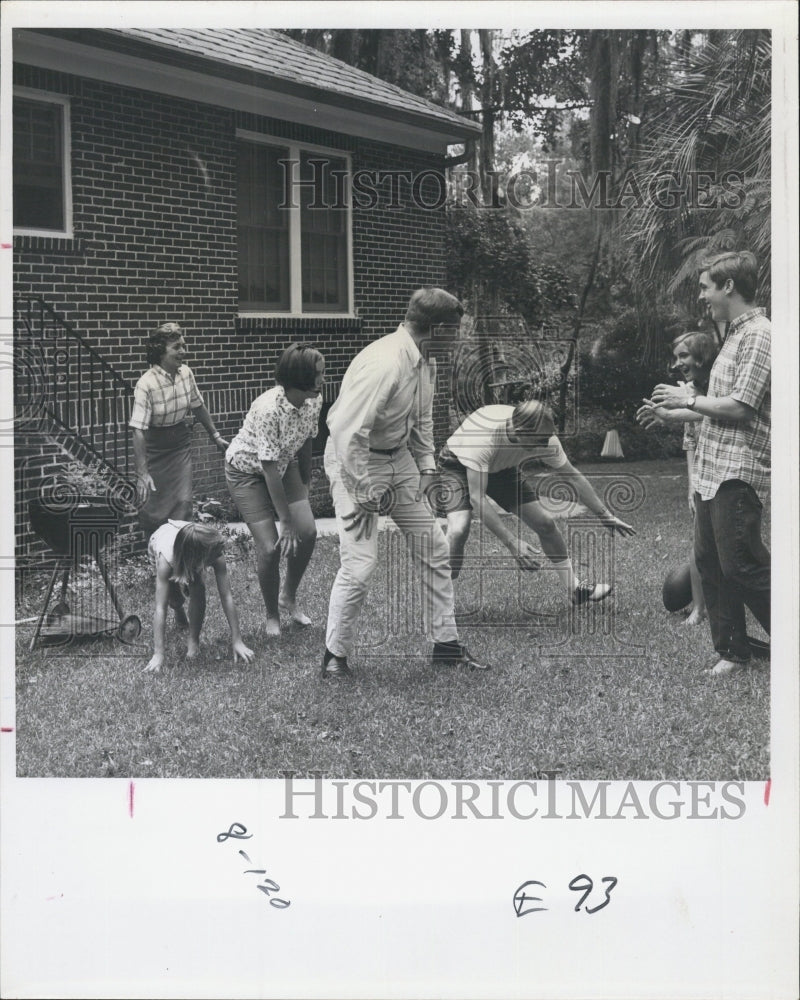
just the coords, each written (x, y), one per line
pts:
(7, 729)
(49, 898)
(130, 799)
(767, 790)
(7, 246)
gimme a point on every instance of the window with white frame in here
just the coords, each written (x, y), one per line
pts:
(42, 186)
(293, 228)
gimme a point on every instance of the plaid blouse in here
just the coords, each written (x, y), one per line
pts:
(727, 450)
(161, 400)
(274, 431)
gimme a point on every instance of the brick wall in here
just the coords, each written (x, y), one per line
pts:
(155, 239)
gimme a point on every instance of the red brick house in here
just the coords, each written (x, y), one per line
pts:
(251, 188)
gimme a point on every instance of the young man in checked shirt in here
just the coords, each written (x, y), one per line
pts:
(732, 462)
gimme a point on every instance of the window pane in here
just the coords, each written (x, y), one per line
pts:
(263, 228)
(323, 223)
(38, 165)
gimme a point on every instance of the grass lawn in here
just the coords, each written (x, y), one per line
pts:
(614, 691)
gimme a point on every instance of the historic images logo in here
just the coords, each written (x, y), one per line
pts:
(543, 186)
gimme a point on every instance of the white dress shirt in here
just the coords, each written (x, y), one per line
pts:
(386, 401)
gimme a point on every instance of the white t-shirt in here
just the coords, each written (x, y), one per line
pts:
(162, 541)
(482, 443)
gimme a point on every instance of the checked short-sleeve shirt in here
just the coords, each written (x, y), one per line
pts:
(163, 400)
(273, 431)
(727, 450)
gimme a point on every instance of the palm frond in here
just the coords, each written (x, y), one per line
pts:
(715, 120)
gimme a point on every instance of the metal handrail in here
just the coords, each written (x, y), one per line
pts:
(52, 363)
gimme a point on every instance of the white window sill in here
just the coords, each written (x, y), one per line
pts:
(49, 234)
(288, 315)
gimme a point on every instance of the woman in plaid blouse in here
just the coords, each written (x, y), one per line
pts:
(162, 439)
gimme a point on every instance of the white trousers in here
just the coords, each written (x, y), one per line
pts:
(398, 476)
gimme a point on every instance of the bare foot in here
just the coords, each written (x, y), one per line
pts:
(289, 607)
(695, 618)
(192, 649)
(155, 664)
(273, 627)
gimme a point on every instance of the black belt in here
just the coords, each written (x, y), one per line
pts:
(387, 451)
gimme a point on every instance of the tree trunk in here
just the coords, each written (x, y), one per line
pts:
(345, 45)
(462, 67)
(576, 332)
(488, 87)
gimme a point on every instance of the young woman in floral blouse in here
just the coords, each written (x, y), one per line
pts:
(268, 468)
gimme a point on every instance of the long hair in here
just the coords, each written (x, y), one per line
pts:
(703, 348)
(196, 546)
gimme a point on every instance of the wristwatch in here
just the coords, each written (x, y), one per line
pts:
(690, 402)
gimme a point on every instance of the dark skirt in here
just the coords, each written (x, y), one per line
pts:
(169, 462)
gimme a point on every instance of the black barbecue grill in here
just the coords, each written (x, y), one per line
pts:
(76, 531)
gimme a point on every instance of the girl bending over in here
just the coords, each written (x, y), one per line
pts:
(181, 550)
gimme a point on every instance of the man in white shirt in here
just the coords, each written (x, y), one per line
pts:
(488, 456)
(379, 456)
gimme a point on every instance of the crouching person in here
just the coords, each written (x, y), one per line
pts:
(268, 470)
(181, 551)
(484, 458)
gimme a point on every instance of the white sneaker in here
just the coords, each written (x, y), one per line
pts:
(585, 592)
(725, 667)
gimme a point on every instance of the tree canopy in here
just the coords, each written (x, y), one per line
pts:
(676, 122)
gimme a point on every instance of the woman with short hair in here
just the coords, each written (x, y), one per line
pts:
(268, 470)
(162, 439)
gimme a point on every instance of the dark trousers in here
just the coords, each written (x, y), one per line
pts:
(734, 565)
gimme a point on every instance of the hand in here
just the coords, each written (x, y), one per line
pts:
(614, 524)
(240, 651)
(362, 521)
(288, 541)
(144, 485)
(647, 415)
(692, 509)
(426, 480)
(525, 555)
(220, 442)
(155, 664)
(670, 397)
